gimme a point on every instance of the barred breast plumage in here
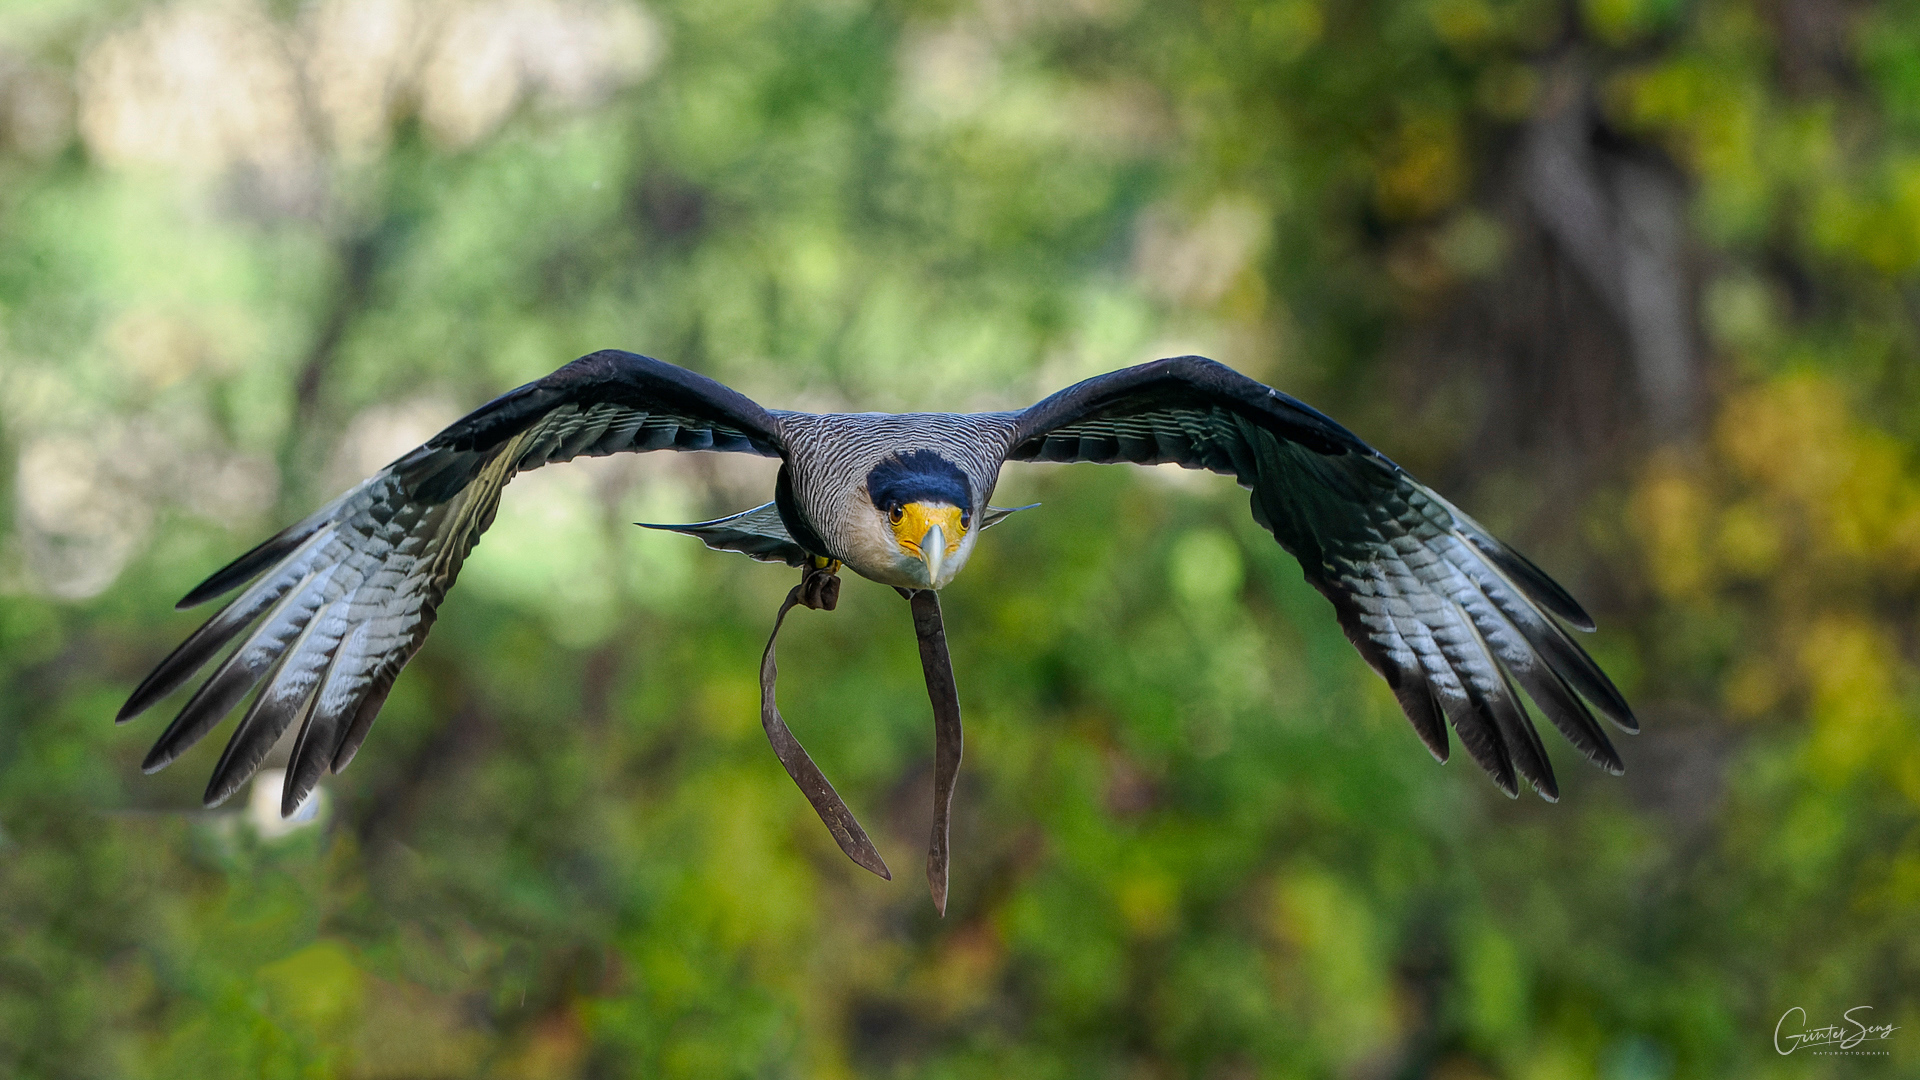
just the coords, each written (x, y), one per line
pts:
(829, 456)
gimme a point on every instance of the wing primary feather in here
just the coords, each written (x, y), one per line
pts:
(1416, 700)
(336, 701)
(1498, 703)
(1549, 690)
(289, 697)
(231, 681)
(1567, 712)
(201, 645)
(1531, 580)
(1574, 665)
(1449, 648)
(1409, 682)
(172, 743)
(1479, 598)
(247, 749)
(1471, 637)
(363, 718)
(1548, 639)
(1484, 716)
(1481, 736)
(1568, 660)
(273, 550)
(1540, 769)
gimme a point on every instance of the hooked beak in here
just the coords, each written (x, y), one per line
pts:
(933, 552)
(931, 533)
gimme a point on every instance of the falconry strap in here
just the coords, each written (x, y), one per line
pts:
(946, 732)
(819, 589)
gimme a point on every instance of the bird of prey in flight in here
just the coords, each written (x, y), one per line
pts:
(1457, 622)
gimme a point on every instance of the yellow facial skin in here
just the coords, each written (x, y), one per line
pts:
(911, 522)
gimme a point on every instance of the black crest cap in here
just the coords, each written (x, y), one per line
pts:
(918, 476)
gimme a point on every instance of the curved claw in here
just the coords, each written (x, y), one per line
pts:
(820, 585)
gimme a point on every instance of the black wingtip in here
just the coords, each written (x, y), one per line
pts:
(294, 787)
(1423, 712)
(1576, 616)
(311, 754)
(292, 798)
(1533, 581)
(162, 681)
(264, 554)
(153, 688)
(221, 581)
(155, 760)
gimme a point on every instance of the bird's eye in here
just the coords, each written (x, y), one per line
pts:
(966, 519)
(896, 515)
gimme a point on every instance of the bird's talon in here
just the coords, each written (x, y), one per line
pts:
(820, 584)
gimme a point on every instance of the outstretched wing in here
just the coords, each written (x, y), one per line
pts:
(341, 601)
(1451, 617)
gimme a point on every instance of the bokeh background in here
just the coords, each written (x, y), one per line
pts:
(1636, 282)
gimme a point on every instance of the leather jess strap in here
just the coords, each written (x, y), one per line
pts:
(819, 588)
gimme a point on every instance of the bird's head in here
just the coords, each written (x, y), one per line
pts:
(929, 515)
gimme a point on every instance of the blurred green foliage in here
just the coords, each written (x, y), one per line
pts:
(249, 252)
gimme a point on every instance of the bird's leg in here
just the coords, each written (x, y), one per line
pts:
(820, 583)
(818, 588)
(938, 667)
